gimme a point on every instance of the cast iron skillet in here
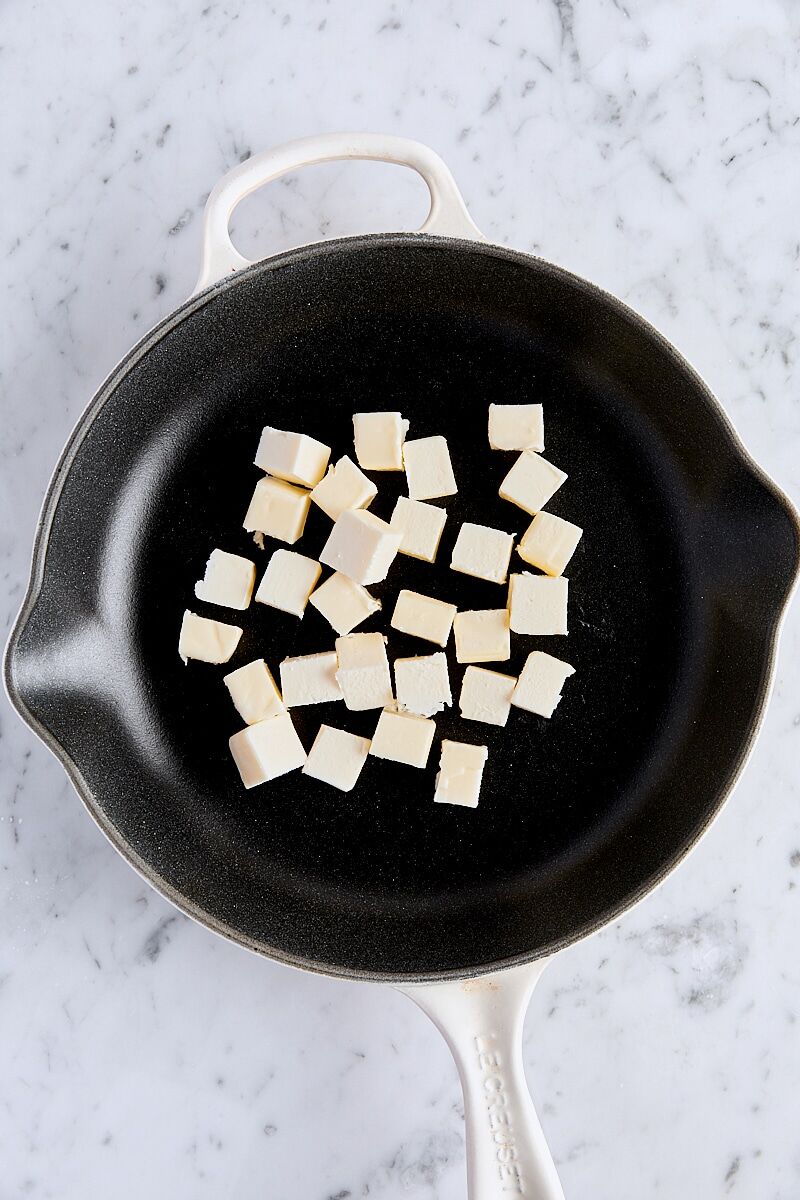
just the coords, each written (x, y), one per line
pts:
(677, 589)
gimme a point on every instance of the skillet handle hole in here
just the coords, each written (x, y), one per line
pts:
(328, 200)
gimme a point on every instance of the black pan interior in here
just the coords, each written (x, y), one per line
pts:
(675, 593)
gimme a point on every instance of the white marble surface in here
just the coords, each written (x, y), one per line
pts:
(653, 146)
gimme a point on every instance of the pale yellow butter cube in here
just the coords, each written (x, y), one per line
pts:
(403, 738)
(363, 673)
(422, 684)
(228, 580)
(421, 526)
(379, 440)
(267, 750)
(345, 486)
(254, 692)
(337, 758)
(423, 617)
(310, 679)
(516, 427)
(539, 686)
(206, 640)
(531, 482)
(361, 546)
(288, 581)
(278, 509)
(482, 636)
(486, 696)
(482, 552)
(343, 603)
(460, 773)
(294, 457)
(549, 543)
(538, 604)
(428, 468)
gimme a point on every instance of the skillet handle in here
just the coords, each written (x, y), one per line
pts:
(482, 1020)
(447, 216)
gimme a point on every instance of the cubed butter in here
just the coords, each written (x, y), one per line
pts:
(288, 581)
(428, 468)
(531, 482)
(421, 526)
(460, 772)
(228, 580)
(345, 486)
(267, 750)
(337, 757)
(482, 552)
(423, 617)
(403, 738)
(538, 604)
(361, 546)
(363, 671)
(549, 543)
(379, 438)
(486, 696)
(278, 509)
(422, 684)
(310, 679)
(254, 692)
(294, 457)
(343, 603)
(539, 686)
(516, 427)
(206, 640)
(482, 636)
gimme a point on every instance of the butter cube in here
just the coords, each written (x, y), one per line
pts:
(288, 581)
(486, 696)
(278, 509)
(482, 636)
(549, 543)
(267, 750)
(379, 440)
(428, 468)
(403, 738)
(460, 773)
(254, 693)
(345, 486)
(363, 673)
(539, 686)
(423, 617)
(531, 482)
(337, 757)
(343, 603)
(228, 580)
(482, 552)
(310, 679)
(516, 427)
(538, 604)
(206, 640)
(361, 546)
(421, 527)
(423, 684)
(292, 456)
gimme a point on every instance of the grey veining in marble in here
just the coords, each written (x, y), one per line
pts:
(649, 145)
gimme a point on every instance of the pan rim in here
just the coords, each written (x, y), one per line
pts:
(42, 537)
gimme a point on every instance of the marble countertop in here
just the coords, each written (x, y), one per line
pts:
(653, 147)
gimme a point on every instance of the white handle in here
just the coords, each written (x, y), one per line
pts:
(482, 1021)
(448, 215)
